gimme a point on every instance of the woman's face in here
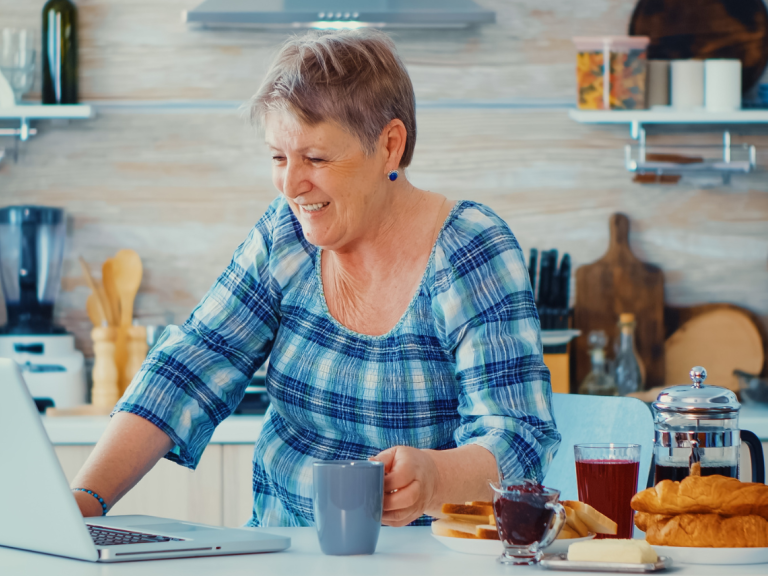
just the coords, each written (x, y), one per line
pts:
(336, 191)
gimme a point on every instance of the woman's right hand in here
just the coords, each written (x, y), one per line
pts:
(88, 505)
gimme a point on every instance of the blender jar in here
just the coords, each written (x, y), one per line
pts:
(31, 254)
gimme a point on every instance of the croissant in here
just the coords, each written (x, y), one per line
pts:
(704, 530)
(704, 495)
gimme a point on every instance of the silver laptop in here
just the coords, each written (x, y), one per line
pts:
(39, 513)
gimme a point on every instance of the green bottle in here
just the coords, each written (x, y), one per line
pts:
(59, 53)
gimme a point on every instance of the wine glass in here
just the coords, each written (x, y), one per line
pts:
(17, 59)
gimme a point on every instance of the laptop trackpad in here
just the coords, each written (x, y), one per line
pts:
(172, 528)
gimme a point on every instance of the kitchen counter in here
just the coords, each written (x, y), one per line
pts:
(68, 430)
(401, 551)
(245, 429)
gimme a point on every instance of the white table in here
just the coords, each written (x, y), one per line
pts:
(400, 552)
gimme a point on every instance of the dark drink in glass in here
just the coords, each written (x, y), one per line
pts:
(607, 475)
(677, 473)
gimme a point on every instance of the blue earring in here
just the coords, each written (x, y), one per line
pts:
(393, 174)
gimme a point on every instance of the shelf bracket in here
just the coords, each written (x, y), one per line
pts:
(635, 128)
(20, 134)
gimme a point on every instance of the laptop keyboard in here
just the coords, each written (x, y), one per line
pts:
(114, 537)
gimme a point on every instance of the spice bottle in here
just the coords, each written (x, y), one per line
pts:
(628, 367)
(599, 381)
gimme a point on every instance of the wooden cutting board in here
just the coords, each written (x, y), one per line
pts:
(617, 283)
(720, 337)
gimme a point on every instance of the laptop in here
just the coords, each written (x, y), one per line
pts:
(39, 513)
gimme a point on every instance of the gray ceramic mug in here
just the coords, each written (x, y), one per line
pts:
(348, 502)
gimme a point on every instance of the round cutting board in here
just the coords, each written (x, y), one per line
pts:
(721, 340)
(702, 29)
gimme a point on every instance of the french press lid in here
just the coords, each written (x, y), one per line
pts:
(698, 399)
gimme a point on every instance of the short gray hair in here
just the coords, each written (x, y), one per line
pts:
(352, 77)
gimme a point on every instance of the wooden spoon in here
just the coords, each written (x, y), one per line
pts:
(110, 288)
(127, 269)
(94, 310)
(96, 288)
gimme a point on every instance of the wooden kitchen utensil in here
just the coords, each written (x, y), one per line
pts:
(94, 310)
(110, 289)
(105, 391)
(128, 271)
(620, 283)
(721, 337)
(98, 290)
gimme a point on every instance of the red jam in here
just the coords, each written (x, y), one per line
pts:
(521, 514)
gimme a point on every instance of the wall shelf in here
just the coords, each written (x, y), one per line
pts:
(641, 159)
(28, 112)
(666, 115)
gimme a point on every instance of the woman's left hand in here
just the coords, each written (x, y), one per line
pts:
(410, 483)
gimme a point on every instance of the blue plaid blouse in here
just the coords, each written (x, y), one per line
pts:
(462, 366)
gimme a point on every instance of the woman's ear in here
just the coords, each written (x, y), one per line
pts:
(392, 141)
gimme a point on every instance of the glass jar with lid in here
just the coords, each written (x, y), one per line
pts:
(700, 423)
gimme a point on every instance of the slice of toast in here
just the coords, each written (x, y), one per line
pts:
(477, 513)
(454, 528)
(574, 522)
(487, 532)
(567, 533)
(594, 520)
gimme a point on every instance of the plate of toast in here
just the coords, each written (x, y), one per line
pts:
(705, 519)
(470, 528)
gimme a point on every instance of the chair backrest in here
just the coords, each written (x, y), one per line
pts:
(597, 420)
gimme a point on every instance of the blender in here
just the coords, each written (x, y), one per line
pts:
(31, 255)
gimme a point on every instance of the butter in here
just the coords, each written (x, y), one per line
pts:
(625, 551)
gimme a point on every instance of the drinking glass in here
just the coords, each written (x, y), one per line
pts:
(17, 59)
(528, 517)
(607, 478)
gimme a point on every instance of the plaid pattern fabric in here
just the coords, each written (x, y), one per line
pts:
(462, 366)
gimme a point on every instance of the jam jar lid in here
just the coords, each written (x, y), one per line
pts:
(698, 399)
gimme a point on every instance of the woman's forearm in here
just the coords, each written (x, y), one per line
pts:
(128, 449)
(464, 475)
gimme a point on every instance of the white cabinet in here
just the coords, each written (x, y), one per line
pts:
(218, 492)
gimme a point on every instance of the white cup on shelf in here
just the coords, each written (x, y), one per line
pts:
(687, 84)
(722, 85)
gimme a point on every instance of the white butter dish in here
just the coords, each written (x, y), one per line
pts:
(561, 562)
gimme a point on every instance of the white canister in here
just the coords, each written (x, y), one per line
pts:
(687, 84)
(722, 85)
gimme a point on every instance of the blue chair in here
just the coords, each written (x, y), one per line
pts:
(597, 420)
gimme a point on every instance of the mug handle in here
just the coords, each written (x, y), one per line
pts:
(755, 455)
(556, 527)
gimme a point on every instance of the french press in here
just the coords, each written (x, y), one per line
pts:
(700, 423)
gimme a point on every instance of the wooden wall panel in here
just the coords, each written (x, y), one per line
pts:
(183, 184)
(183, 189)
(140, 49)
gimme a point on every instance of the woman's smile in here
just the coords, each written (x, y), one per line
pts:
(313, 208)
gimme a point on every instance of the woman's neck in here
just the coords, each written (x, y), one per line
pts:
(404, 216)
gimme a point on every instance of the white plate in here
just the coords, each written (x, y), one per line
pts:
(558, 337)
(495, 547)
(684, 555)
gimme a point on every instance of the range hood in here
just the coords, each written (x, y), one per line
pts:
(339, 13)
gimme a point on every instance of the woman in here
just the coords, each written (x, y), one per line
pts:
(400, 326)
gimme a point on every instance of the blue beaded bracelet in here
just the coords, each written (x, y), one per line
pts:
(99, 498)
